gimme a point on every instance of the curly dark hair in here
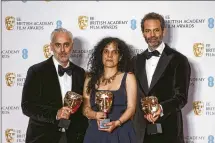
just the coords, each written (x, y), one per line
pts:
(95, 64)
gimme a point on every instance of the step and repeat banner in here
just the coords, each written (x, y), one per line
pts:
(26, 29)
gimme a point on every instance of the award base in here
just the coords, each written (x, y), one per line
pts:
(103, 122)
(63, 124)
(154, 129)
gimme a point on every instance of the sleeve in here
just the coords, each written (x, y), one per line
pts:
(31, 103)
(180, 88)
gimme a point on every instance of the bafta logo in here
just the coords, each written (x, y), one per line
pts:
(10, 79)
(9, 135)
(150, 105)
(198, 107)
(9, 22)
(198, 49)
(73, 101)
(104, 100)
(47, 51)
(83, 22)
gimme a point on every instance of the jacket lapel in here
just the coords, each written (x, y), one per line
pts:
(54, 80)
(161, 66)
(74, 77)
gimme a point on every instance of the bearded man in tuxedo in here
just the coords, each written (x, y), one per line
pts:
(164, 73)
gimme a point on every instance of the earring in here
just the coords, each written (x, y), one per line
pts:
(120, 58)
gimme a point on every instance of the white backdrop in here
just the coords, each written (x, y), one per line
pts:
(23, 43)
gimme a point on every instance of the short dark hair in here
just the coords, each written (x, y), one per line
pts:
(153, 16)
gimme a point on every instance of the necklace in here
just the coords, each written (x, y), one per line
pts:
(108, 80)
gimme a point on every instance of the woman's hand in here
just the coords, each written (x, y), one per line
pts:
(111, 126)
(100, 116)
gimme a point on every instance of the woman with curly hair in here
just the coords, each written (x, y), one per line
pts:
(110, 83)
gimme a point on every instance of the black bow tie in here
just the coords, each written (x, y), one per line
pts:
(150, 54)
(62, 70)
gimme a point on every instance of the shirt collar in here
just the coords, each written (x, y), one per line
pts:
(56, 63)
(160, 48)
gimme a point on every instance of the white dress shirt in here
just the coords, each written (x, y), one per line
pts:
(151, 63)
(65, 80)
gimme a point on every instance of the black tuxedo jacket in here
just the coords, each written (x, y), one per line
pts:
(41, 99)
(170, 83)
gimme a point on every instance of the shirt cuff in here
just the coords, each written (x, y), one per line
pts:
(161, 111)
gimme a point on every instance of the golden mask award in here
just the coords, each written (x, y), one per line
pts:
(150, 106)
(104, 101)
(73, 101)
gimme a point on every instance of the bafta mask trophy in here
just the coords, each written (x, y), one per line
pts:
(150, 106)
(73, 101)
(104, 101)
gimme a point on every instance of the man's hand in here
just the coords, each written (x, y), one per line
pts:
(64, 113)
(153, 118)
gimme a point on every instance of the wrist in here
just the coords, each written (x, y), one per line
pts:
(86, 111)
(161, 110)
(119, 122)
(95, 115)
